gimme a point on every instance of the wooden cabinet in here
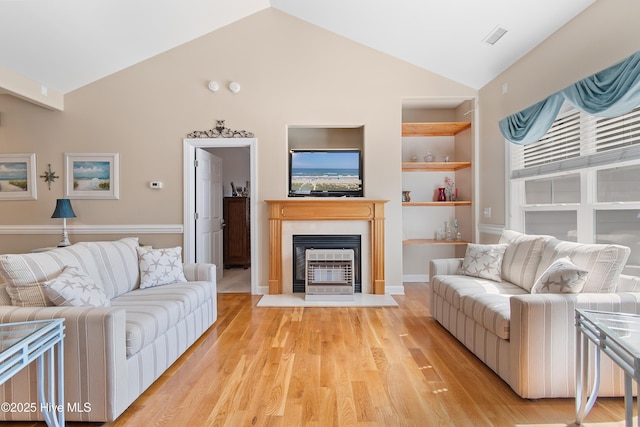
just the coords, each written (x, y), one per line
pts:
(237, 232)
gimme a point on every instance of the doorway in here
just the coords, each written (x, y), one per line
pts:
(226, 148)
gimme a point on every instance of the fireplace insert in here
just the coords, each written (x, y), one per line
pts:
(302, 242)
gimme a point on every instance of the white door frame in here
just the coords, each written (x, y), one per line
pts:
(189, 155)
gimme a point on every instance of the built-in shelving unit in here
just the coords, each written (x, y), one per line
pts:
(449, 149)
(434, 128)
(434, 166)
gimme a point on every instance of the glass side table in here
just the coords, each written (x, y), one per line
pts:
(618, 336)
(42, 340)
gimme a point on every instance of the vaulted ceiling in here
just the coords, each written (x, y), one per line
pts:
(66, 44)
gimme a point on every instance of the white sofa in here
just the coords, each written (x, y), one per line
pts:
(528, 338)
(115, 351)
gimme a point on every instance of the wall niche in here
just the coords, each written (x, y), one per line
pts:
(325, 137)
(325, 161)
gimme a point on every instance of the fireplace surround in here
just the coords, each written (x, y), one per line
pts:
(370, 211)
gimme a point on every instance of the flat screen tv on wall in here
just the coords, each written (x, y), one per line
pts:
(325, 173)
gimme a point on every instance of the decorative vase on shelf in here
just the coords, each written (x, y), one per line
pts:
(405, 196)
(442, 197)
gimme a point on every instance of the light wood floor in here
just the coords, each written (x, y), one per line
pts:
(392, 366)
(235, 280)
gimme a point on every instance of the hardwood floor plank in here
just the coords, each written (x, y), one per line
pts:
(347, 366)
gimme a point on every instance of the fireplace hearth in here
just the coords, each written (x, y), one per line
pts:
(324, 241)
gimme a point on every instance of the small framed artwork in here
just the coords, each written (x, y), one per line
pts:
(91, 176)
(18, 177)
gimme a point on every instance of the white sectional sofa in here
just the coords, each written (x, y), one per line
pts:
(516, 312)
(137, 326)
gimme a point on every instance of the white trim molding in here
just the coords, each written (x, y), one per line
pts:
(94, 229)
(491, 229)
(415, 278)
(394, 289)
(189, 154)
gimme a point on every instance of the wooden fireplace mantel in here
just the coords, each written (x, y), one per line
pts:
(326, 210)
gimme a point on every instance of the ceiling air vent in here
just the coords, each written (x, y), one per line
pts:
(495, 35)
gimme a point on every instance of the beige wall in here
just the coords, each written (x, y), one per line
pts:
(602, 35)
(291, 73)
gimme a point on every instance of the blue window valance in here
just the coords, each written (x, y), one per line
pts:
(608, 93)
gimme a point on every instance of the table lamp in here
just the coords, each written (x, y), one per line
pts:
(64, 211)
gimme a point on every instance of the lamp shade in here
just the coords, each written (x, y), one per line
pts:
(63, 209)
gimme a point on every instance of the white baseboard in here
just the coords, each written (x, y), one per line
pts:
(412, 278)
(394, 289)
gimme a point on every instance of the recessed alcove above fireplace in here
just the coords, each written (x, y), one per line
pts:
(325, 161)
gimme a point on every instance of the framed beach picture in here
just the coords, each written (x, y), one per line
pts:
(91, 176)
(18, 176)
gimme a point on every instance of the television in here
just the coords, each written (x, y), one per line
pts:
(325, 173)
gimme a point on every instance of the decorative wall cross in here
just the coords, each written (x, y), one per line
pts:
(49, 176)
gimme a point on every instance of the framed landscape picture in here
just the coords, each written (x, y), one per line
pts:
(91, 176)
(18, 176)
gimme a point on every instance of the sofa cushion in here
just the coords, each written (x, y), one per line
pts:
(484, 301)
(160, 266)
(74, 288)
(491, 311)
(25, 274)
(153, 311)
(562, 277)
(454, 288)
(522, 257)
(603, 262)
(147, 320)
(118, 263)
(483, 261)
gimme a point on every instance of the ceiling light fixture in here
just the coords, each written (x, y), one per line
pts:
(234, 87)
(213, 86)
(495, 35)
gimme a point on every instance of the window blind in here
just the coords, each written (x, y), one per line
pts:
(577, 140)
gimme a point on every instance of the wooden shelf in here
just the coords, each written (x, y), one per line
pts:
(434, 166)
(434, 128)
(432, 242)
(458, 203)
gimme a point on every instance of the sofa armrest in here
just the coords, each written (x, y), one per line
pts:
(200, 272)
(444, 266)
(542, 339)
(94, 362)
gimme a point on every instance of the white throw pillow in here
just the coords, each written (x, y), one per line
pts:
(483, 261)
(75, 288)
(160, 266)
(562, 277)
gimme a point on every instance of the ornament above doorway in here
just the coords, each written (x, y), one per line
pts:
(220, 131)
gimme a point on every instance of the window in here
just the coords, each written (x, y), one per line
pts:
(581, 181)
